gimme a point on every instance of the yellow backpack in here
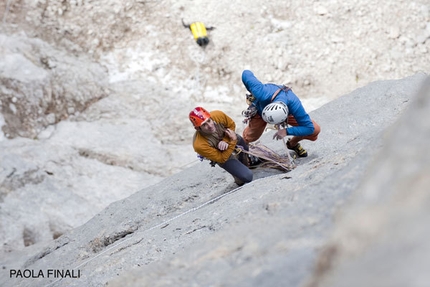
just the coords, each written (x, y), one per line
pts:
(199, 31)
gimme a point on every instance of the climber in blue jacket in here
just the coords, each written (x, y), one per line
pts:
(277, 105)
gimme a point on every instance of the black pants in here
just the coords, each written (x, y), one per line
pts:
(240, 172)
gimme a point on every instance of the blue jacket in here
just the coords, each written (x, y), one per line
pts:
(263, 94)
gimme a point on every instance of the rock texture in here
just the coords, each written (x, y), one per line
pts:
(381, 238)
(94, 95)
(186, 231)
(323, 50)
(42, 85)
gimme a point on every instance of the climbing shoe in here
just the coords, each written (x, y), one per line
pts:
(253, 161)
(238, 181)
(301, 152)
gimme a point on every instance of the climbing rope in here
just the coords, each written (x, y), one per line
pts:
(285, 144)
(271, 158)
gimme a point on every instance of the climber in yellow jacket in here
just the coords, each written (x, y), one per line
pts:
(215, 139)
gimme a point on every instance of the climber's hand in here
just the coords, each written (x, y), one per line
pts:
(222, 145)
(231, 134)
(280, 134)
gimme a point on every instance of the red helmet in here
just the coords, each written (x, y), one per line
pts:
(198, 116)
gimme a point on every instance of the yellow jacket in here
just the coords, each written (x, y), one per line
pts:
(206, 144)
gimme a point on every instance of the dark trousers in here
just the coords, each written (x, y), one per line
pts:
(237, 166)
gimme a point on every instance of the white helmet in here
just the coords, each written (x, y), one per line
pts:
(275, 113)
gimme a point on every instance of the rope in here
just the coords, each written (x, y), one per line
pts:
(287, 167)
(153, 227)
(283, 140)
(263, 152)
(187, 164)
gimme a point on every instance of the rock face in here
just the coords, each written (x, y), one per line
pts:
(196, 229)
(42, 85)
(79, 166)
(94, 97)
(381, 239)
(323, 50)
(59, 148)
(52, 115)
